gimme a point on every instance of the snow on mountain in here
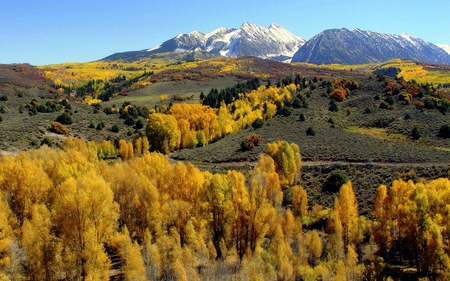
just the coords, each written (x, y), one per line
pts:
(249, 39)
(358, 46)
(444, 47)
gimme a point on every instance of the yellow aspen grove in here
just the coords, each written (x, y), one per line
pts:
(336, 237)
(137, 197)
(84, 209)
(24, 183)
(163, 133)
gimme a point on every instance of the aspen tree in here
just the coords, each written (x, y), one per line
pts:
(130, 254)
(287, 161)
(163, 133)
(314, 247)
(151, 257)
(10, 257)
(43, 250)
(299, 201)
(348, 214)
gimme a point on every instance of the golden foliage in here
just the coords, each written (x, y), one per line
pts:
(58, 128)
(63, 213)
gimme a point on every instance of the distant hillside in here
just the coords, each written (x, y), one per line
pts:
(358, 46)
(249, 39)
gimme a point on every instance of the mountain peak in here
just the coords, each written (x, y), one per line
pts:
(248, 25)
(364, 46)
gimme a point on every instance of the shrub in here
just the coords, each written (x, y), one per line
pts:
(415, 134)
(129, 121)
(47, 141)
(115, 128)
(163, 98)
(335, 181)
(58, 128)
(258, 123)
(301, 117)
(310, 132)
(444, 131)
(251, 141)
(390, 100)
(338, 94)
(100, 126)
(64, 119)
(285, 111)
(297, 103)
(139, 124)
(333, 107)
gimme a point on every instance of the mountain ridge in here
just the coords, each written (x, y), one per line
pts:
(274, 42)
(357, 46)
(330, 46)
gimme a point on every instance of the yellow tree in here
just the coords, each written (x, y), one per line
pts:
(163, 133)
(85, 216)
(217, 197)
(137, 196)
(381, 228)
(24, 183)
(130, 255)
(151, 257)
(313, 245)
(299, 201)
(281, 255)
(241, 205)
(347, 208)
(266, 174)
(40, 244)
(125, 150)
(11, 256)
(287, 161)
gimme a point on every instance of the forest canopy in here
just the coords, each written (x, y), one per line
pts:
(67, 215)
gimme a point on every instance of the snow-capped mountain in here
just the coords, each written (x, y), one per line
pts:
(358, 46)
(249, 39)
(444, 47)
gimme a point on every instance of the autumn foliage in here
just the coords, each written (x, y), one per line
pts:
(67, 215)
(58, 128)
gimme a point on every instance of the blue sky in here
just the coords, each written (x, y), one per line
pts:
(55, 31)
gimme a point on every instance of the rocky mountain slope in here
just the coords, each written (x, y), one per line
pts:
(274, 42)
(362, 46)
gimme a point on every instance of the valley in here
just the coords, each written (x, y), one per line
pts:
(230, 168)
